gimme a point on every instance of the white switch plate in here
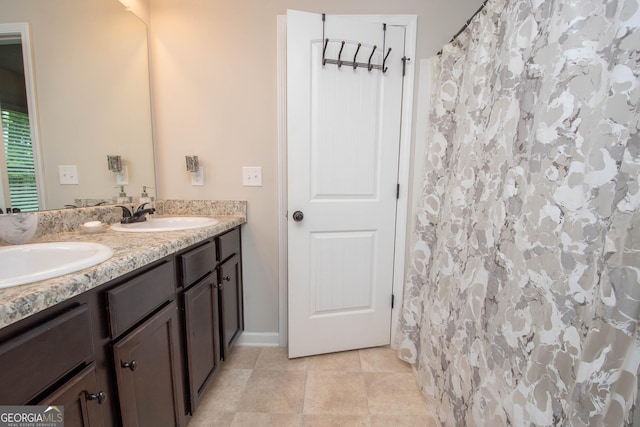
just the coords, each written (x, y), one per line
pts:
(197, 178)
(122, 177)
(68, 174)
(252, 176)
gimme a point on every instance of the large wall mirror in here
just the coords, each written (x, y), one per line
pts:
(89, 97)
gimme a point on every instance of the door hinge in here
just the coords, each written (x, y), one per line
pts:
(398, 191)
(393, 299)
(404, 64)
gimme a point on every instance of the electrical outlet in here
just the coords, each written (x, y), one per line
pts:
(252, 176)
(68, 175)
(197, 178)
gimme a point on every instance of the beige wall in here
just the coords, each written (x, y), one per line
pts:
(140, 8)
(214, 87)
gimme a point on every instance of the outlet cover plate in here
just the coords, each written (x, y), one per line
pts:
(252, 176)
(68, 174)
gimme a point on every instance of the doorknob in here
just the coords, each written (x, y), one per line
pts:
(298, 216)
(101, 396)
(129, 365)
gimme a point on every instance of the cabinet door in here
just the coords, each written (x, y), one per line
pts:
(148, 372)
(231, 313)
(80, 398)
(202, 335)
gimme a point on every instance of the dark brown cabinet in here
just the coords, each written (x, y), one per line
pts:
(210, 275)
(143, 322)
(231, 303)
(230, 288)
(139, 296)
(80, 396)
(139, 350)
(202, 336)
(198, 279)
(39, 358)
(147, 367)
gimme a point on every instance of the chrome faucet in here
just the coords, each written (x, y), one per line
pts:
(139, 215)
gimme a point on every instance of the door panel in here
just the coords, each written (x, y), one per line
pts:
(230, 303)
(345, 145)
(147, 366)
(342, 290)
(80, 397)
(202, 335)
(343, 141)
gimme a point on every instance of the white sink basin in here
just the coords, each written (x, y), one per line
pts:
(167, 223)
(29, 263)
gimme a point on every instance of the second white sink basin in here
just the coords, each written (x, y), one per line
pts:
(167, 223)
(29, 263)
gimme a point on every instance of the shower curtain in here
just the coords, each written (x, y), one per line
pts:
(522, 300)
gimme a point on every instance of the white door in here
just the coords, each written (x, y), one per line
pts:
(343, 141)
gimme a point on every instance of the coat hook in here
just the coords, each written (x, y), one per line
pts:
(355, 63)
(340, 54)
(369, 66)
(324, 50)
(384, 61)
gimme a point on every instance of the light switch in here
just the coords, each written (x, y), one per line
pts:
(68, 174)
(252, 176)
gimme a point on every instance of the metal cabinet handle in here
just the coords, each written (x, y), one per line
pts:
(298, 216)
(100, 396)
(129, 365)
(227, 278)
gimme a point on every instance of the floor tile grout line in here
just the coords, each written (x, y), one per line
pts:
(366, 393)
(244, 387)
(304, 391)
(275, 360)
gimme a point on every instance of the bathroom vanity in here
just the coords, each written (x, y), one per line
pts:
(140, 347)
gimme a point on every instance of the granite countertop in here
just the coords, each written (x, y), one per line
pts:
(130, 252)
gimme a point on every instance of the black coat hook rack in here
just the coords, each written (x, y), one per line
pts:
(354, 63)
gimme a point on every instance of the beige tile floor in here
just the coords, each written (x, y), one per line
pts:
(260, 386)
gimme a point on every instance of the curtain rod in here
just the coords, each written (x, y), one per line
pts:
(466, 25)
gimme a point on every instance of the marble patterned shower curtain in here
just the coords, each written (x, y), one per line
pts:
(523, 296)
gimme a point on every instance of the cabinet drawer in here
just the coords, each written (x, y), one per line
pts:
(40, 357)
(229, 244)
(132, 301)
(197, 263)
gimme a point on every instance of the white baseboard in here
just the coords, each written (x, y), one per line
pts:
(259, 339)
